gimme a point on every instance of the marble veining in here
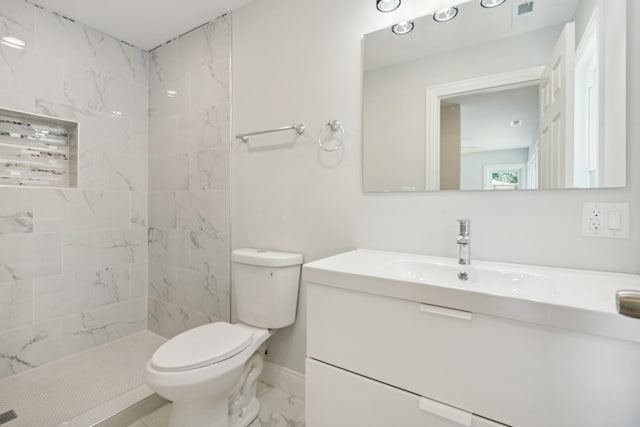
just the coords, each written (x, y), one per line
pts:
(205, 128)
(169, 246)
(189, 110)
(57, 109)
(77, 210)
(210, 170)
(203, 292)
(57, 296)
(163, 64)
(205, 211)
(16, 211)
(112, 171)
(205, 45)
(28, 347)
(18, 222)
(17, 20)
(279, 409)
(27, 75)
(102, 248)
(16, 298)
(114, 134)
(25, 256)
(209, 253)
(139, 209)
(92, 328)
(169, 320)
(77, 258)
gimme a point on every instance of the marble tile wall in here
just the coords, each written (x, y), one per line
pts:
(73, 262)
(189, 127)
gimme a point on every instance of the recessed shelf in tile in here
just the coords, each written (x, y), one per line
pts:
(37, 151)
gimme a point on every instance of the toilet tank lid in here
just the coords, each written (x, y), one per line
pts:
(265, 258)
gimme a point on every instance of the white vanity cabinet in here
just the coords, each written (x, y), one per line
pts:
(340, 398)
(379, 361)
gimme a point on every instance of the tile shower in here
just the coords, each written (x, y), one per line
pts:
(142, 242)
(73, 262)
(189, 113)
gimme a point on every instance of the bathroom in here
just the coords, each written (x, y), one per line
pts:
(156, 215)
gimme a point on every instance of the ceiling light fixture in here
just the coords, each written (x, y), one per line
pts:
(444, 15)
(13, 42)
(387, 5)
(172, 93)
(488, 4)
(516, 123)
(403, 27)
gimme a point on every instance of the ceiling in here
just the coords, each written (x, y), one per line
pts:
(142, 23)
(486, 119)
(474, 25)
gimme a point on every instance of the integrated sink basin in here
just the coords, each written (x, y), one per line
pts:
(489, 278)
(578, 300)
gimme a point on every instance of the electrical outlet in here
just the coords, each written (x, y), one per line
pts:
(605, 220)
(595, 218)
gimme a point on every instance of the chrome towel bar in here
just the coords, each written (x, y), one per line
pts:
(245, 136)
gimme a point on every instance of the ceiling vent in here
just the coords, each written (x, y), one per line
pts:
(525, 8)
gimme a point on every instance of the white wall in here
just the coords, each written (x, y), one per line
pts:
(300, 60)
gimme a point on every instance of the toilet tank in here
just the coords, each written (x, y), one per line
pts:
(265, 287)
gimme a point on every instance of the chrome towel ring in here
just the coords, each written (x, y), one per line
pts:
(334, 126)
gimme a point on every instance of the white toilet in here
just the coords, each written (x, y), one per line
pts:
(210, 372)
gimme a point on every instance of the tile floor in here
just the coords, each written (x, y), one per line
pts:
(279, 409)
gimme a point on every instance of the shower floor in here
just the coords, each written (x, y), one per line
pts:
(94, 383)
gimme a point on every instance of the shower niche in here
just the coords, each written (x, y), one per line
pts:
(37, 151)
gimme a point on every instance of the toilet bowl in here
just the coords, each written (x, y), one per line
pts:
(200, 379)
(210, 372)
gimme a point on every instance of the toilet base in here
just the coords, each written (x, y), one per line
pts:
(249, 413)
(203, 413)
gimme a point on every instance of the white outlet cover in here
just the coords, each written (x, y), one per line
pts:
(595, 220)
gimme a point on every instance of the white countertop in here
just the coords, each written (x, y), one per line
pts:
(578, 300)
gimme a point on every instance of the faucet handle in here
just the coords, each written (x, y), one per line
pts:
(465, 226)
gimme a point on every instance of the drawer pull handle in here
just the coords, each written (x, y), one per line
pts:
(447, 412)
(449, 312)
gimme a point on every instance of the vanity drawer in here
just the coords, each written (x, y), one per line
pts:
(517, 373)
(339, 398)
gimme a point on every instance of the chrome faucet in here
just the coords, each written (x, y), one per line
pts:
(464, 241)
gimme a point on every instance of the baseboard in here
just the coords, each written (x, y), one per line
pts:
(284, 379)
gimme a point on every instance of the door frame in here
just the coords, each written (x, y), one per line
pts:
(483, 84)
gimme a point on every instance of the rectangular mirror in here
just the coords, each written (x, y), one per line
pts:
(523, 95)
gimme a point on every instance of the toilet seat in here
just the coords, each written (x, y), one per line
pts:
(201, 346)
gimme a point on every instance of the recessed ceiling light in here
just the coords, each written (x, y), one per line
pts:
(172, 93)
(13, 42)
(403, 27)
(491, 3)
(387, 5)
(444, 15)
(515, 123)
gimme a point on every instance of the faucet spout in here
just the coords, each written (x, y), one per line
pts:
(463, 239)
